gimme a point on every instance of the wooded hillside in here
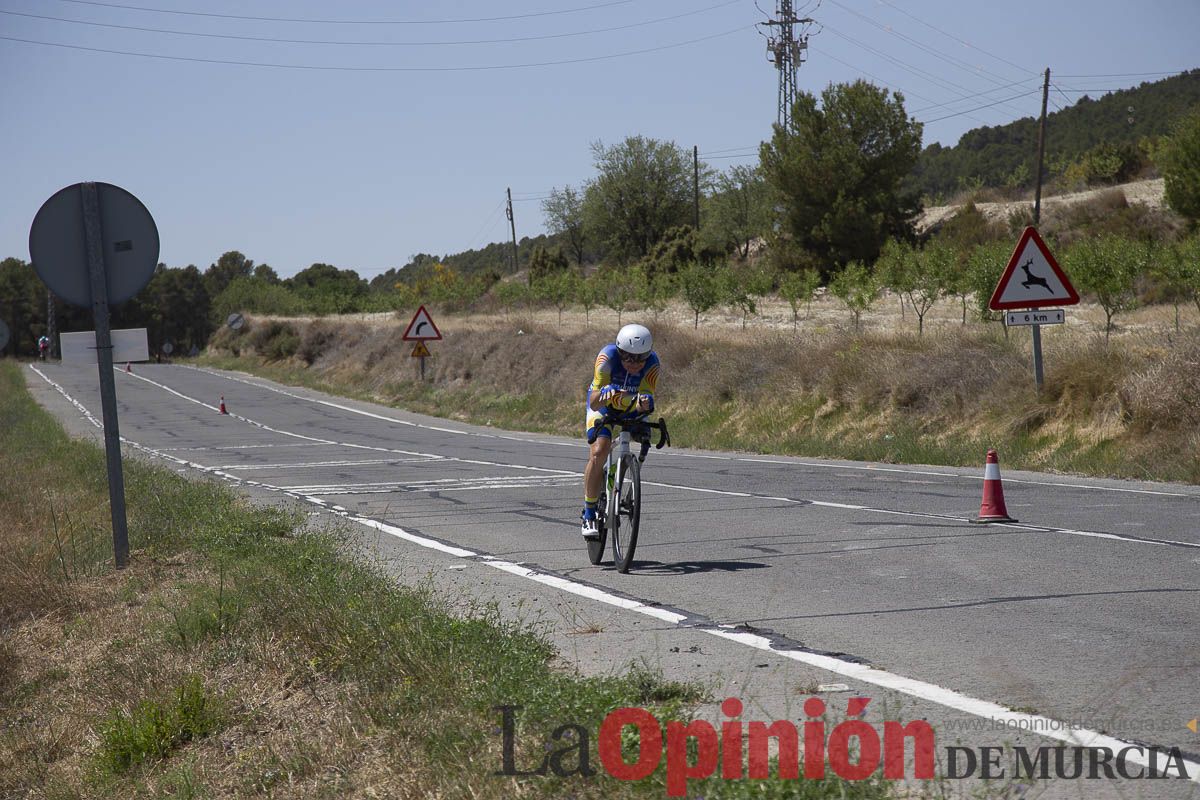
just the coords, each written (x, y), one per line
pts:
(1005, 155)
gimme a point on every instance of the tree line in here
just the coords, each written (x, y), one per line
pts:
(827, 205)
(183, 306)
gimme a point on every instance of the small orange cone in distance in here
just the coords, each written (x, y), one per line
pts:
(222, 408)
(992, 508)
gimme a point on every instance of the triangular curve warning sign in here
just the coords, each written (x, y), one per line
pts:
(421, 327)
(1032, 278)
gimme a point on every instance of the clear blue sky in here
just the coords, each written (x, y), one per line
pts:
(361, 154)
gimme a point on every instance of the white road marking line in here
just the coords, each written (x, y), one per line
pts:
(929, 515)
(235, 447)
(1134, 540)
(677, 454)
(400, 486)
(583, 590)
(435, 483)
(353, 410)
(874, 468)
(282, 432)
(947, 698)
(310, 464)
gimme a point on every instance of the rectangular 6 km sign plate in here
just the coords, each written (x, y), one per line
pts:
(1043, 316)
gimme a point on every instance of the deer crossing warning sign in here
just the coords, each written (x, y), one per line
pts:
(1032, 278)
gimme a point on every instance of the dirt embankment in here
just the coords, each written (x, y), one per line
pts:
(1148, 192)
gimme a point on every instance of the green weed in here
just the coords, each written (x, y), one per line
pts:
(156, 727)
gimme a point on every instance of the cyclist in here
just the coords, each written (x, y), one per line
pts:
(624, 379)
(43, 347)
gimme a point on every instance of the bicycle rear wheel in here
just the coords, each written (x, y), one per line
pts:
(595, 546)
(628, 489)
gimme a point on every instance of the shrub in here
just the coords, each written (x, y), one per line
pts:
(274, 340)
(315, 341)
(1166, 396)
(227, 339)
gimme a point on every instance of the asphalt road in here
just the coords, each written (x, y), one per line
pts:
(1085, 611)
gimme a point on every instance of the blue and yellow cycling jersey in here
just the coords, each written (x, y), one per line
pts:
(611, 370)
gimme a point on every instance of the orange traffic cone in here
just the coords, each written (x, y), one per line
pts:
(221, 409)
(127, 367)
(992, 508)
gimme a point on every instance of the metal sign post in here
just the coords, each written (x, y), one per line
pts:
(422, 352)
(95, 244)
(1038, 377)
(421, 329)
(1031, 281)
(108, 387)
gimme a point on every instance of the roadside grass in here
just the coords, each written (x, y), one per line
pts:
(1124, 409)
(243, 654)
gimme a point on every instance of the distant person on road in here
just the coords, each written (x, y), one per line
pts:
(44, 347)
(624, 379)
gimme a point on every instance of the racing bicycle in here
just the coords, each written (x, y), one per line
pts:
(619, 511)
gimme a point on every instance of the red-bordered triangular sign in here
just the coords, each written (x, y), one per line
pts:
(1032, 278)
(421, 327)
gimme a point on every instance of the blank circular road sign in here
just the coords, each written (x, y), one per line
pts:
(58, 248)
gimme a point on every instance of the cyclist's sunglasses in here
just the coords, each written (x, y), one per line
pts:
(634, 358)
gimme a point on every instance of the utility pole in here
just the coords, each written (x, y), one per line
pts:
(786, 51)
(696, 181)
(1037, 215)
(1037, 197)
(513, 224)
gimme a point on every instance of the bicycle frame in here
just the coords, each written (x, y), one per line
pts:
(622, 487)
(619, 449)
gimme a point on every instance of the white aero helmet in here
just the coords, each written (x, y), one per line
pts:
(635, 340)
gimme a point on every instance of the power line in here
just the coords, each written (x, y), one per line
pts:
(952, 36)
(1125, 74)
(961, 99)
(887, 84)
(921, 46)
(376, 69)
(964, 91)
(485, 227)
(1060, 91)
(1094, 89)
(977, 108)
(348, 21)
(729, 149)
(364, 44)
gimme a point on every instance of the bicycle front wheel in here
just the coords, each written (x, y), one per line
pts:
(595, 547)
(624, 528)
